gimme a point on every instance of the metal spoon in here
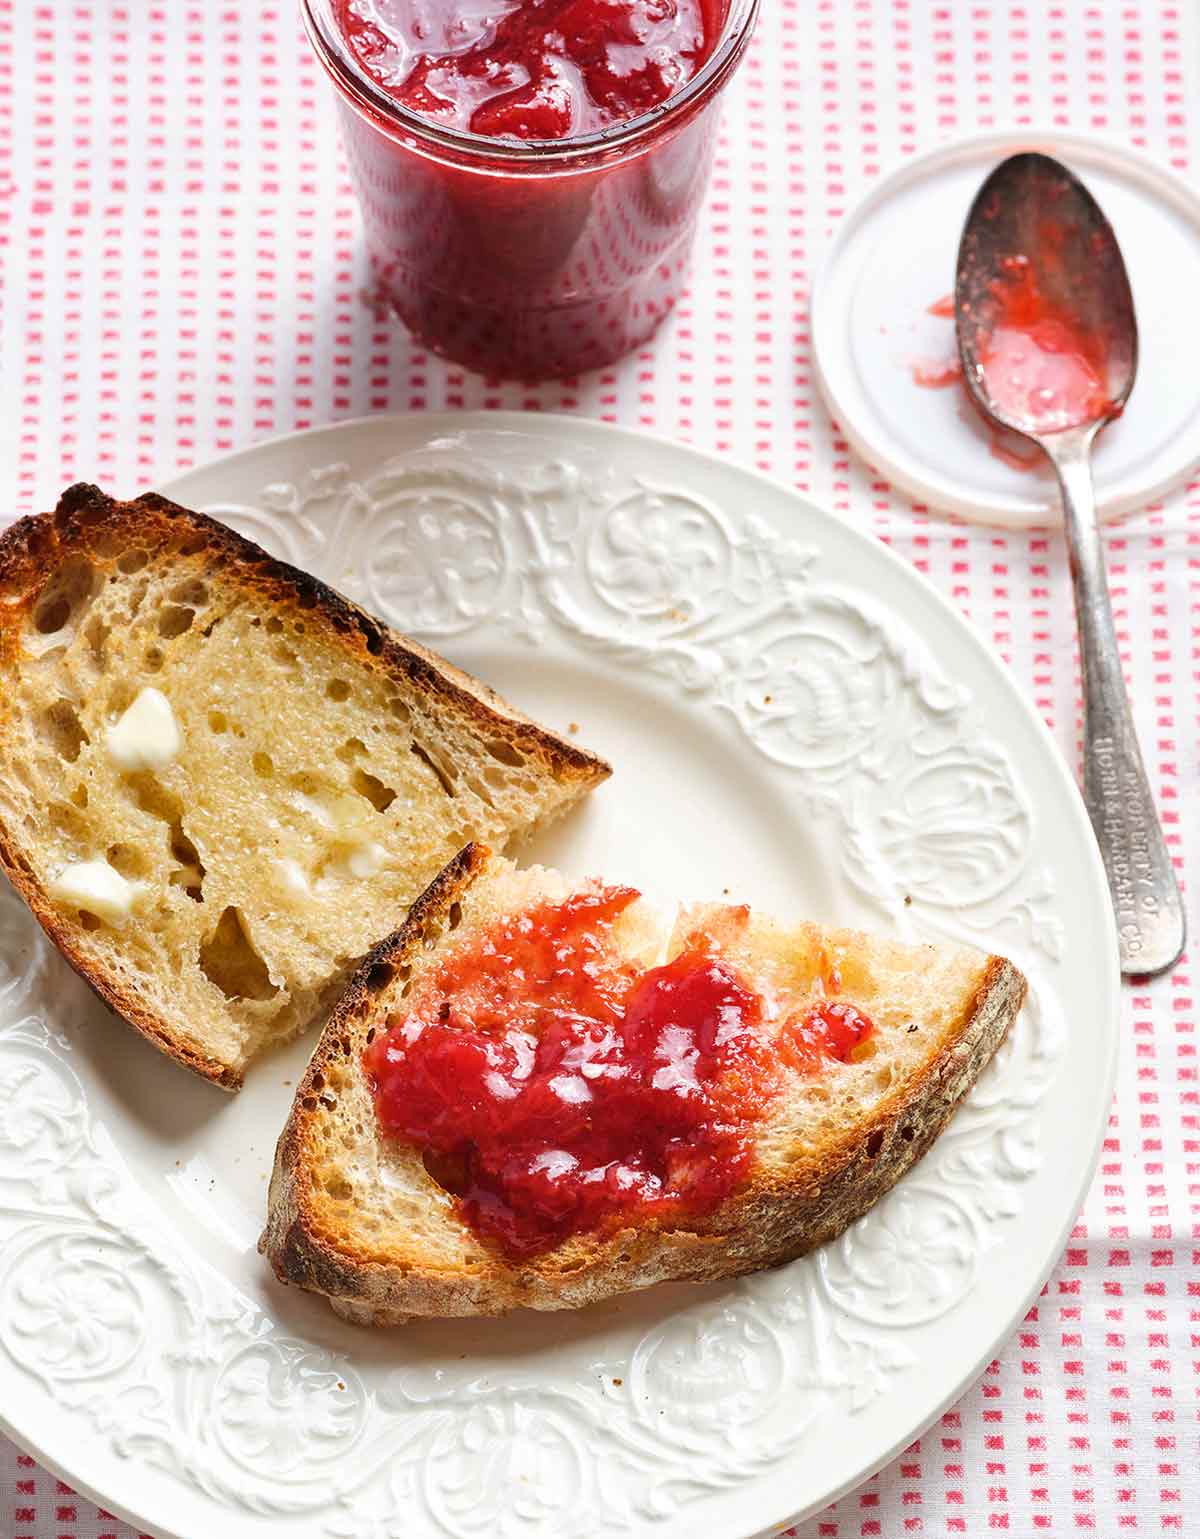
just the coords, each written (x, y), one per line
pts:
(1034, 222)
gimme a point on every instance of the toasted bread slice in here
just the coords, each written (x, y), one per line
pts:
(220, 782)
(355, 1215)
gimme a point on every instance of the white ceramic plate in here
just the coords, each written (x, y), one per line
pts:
(793, 715)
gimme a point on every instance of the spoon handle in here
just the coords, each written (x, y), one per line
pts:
(1141, 879)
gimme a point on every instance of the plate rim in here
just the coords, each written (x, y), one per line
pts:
(435, 425)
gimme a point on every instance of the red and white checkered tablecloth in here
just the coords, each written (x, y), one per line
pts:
(182, 273)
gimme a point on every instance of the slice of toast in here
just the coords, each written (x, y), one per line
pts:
(220, 782)
(355, 1214)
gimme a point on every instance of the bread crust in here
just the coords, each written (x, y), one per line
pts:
(88, 522)
(771, 1221)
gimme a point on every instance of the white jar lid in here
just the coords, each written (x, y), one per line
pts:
(893, 256)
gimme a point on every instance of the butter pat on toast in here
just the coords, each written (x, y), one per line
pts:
(220, 782)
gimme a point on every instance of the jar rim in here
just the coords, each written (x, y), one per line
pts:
(530, 154)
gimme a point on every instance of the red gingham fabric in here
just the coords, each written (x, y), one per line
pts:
(182, 273)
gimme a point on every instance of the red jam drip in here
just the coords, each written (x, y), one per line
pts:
(530, 69)
(557, 1089)
(823, 1031)
(940, 373)
(1045, 370)
(936, 374)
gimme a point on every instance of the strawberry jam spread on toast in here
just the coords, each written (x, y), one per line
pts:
(558, 1087)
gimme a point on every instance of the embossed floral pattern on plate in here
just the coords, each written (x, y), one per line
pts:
(740, 619)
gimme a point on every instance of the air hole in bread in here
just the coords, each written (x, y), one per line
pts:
(65, 596)
(480, 789)
(107, 543)
(66, 820)
(153, 797)
(189, 873)
(88, 920)
(127, 859)
(318, 1081)
(455, 917)
(373, 789)
(79, 795)
(52, 616)
(120, 698)
(274, 626)
(404, 972)
(96, 634)
(352, 748)
(132, 561)
(442, 776)
(339, 1189)
(338, 689)
(218, 722)
(399, 708)
(505, 752)
(908, 1134)
(307, 597)
(406, 990)
(285, 655)
(370, 1035)
(135, 597)
(379, 975)
(495, 777)
(61, 727)
(309, 1103)
(228, 959)
(874, 1143)
(264, 765)
(193, 593)
(194, 544)
(153, 660)
(173, 620)
(298, 627)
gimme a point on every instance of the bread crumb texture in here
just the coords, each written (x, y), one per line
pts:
(323, 769)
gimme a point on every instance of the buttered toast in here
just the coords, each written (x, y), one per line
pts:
(220, 782)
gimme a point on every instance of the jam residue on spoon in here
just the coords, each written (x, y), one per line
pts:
(1046, 371)
(555, 1087)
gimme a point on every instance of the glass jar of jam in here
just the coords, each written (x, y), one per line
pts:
(530, 175)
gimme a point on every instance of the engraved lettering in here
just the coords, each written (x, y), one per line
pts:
(1125, 840)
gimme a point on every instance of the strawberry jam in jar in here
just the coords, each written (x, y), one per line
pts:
(530, 171)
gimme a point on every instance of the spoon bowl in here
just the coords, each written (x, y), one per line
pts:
(1048, 341)
(1037, 244)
